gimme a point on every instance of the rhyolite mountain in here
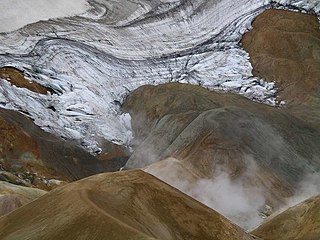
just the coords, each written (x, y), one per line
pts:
(263, 147)
(284, 47)
(123, 205)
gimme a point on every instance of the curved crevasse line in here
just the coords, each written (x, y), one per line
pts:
(175, 32)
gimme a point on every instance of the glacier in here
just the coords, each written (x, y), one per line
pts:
(94, 59)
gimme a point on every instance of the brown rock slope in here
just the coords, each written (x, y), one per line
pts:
(123, 205)
(113, 156)
(174, 172)
(13, 196)
(206, 131)
(16, 78)
(301, 222)
(284, 47)
(36, 156)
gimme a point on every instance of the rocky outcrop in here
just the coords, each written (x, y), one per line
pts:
(123, 205)
(301, 222)
(284, 47)
(16, 78)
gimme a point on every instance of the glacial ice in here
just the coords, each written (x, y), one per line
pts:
(93, 60)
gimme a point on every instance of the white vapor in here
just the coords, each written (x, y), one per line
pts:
(233, 198)
(15, 14)
(307, 188)
(240, 203)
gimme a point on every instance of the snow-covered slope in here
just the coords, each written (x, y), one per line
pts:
(94, 60)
